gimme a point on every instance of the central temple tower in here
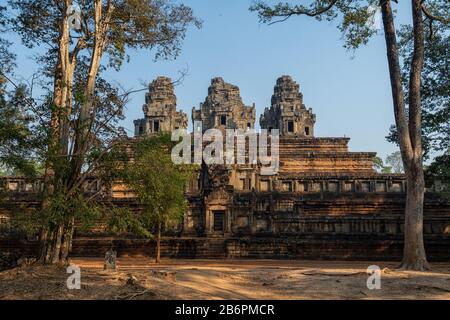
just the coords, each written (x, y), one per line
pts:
(223, 108)
(287, 112)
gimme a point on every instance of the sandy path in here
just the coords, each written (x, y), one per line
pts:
(226, 279)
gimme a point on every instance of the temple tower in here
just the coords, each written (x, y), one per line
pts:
(160, 110)
(287, 112)
(223, 108)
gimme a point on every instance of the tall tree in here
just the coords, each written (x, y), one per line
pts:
(356, 25)
(435, 86)
(80, 114)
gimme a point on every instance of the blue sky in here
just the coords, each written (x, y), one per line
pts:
(348, 91)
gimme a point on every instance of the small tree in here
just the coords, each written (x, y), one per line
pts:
(394, 160)
(379, 166)
(159, 186)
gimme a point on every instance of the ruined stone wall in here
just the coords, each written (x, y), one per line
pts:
(322, 223)
(341, 204)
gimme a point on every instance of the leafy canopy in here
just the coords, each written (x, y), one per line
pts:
(158, 184)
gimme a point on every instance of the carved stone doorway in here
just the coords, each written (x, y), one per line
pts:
(218, 220)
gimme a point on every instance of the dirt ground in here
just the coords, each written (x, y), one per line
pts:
(140, 278)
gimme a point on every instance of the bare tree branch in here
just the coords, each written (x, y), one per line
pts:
(29, 101)
(299, 10)
(432, 17)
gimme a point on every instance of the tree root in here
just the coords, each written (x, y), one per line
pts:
(420, 265)
(333, 274)
(131, 296)
(435, 288)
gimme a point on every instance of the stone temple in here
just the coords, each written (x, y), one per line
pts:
(287, 112)
(223, 108)
(160, 110)
(325, 201)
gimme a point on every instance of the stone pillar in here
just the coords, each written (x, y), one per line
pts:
(228, 219)
(208, 221)
(110, 260)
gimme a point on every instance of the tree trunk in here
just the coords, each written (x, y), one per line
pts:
(409, 133)
(67, 242)
(414, 257)
(49, 248)
(42, 245)
(56, 257)
(158, 244)
(88, 109)
(53, 245)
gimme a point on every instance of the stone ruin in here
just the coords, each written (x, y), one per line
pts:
(223, 108)
(325, 202)
(287, 112)
(160, 110)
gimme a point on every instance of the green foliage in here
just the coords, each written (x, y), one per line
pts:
(80, 134)
(438, 173)
(156, 25)
(61, 210)
(124, 220)
(158, 184)
(135, 24)
(357, 16)
(25, 221)
(392, 164)
(379, 166)
(440, 167)
(18, 136)
(358, 23)
(7, 58)
(148, 24)
(162, 141)
(435, 90)
(395, 161)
